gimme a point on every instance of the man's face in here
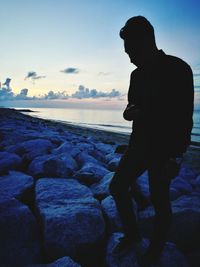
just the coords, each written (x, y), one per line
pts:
(135, 51)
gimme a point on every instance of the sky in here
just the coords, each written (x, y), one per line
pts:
(71, 50)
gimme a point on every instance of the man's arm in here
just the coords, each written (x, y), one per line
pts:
(131, 112)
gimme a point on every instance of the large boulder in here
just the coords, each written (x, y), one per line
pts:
(61, 165)
(19, 240)
(9, 161)
(32, 148)
(72, 219)
(90, 173)
(171, 256)
(16, 184)
(101, 189)
(185, 228)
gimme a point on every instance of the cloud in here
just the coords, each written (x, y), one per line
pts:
(104, 73)
(32, 75)
(84, 92)
(58, 95)
(70, 70)
(196, 74)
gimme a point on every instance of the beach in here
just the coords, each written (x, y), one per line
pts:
(55, 204)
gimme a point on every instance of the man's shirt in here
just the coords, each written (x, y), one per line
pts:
(164, 92)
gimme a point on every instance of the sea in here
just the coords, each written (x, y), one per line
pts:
(107, 119)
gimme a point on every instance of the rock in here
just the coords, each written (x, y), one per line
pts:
(68, 148)
(113, 164)
(111, 156)
(72, 220)
(98, 155)
(143, 184)
(104, 148)
(113, 221)
(19, 240)
(62, 165)
(83, 158)
(84, 146)
(33, 148)
(127, 260)
(16, 184)
(198, 180)
(62, 262)
(181, 185)
(170, 255)
(101, 189)
(187, 173)
(9, 161)
(90, 173)
(185, 228)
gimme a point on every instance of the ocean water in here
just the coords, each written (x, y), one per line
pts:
(110, 120)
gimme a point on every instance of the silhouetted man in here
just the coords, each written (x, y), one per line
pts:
(160, 104)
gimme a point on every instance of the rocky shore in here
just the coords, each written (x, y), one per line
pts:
(55, 206)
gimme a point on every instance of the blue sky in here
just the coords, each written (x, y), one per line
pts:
(71, 43)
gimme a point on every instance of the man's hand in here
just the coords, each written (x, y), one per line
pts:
(131, 113)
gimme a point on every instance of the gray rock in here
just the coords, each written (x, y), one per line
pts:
(83, 158)
(68, 148)
(90, 173)
(98, 155)
(101, 189)
(112, 156)
(181, 185)
(84, 146)
(9, 161)
(113, 221)
(71, 217)
(33, 148)
(187, 173)
(62, 262)
(104, 148)
(15, 184)
(198, 179)
(19, 240)
(113, 164)
(170, 255)
(62, 165)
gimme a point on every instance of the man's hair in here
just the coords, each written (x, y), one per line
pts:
(137, 28)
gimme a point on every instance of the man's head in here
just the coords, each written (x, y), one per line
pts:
(139, 39)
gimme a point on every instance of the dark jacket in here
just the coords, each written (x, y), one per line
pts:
(164, 92)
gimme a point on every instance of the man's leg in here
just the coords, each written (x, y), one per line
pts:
(159, 183)
(130, 167)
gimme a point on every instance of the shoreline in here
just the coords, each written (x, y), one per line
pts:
(191, 156)
(87, 129)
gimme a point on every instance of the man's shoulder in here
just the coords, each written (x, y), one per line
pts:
(135, 73)
(177, 63)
